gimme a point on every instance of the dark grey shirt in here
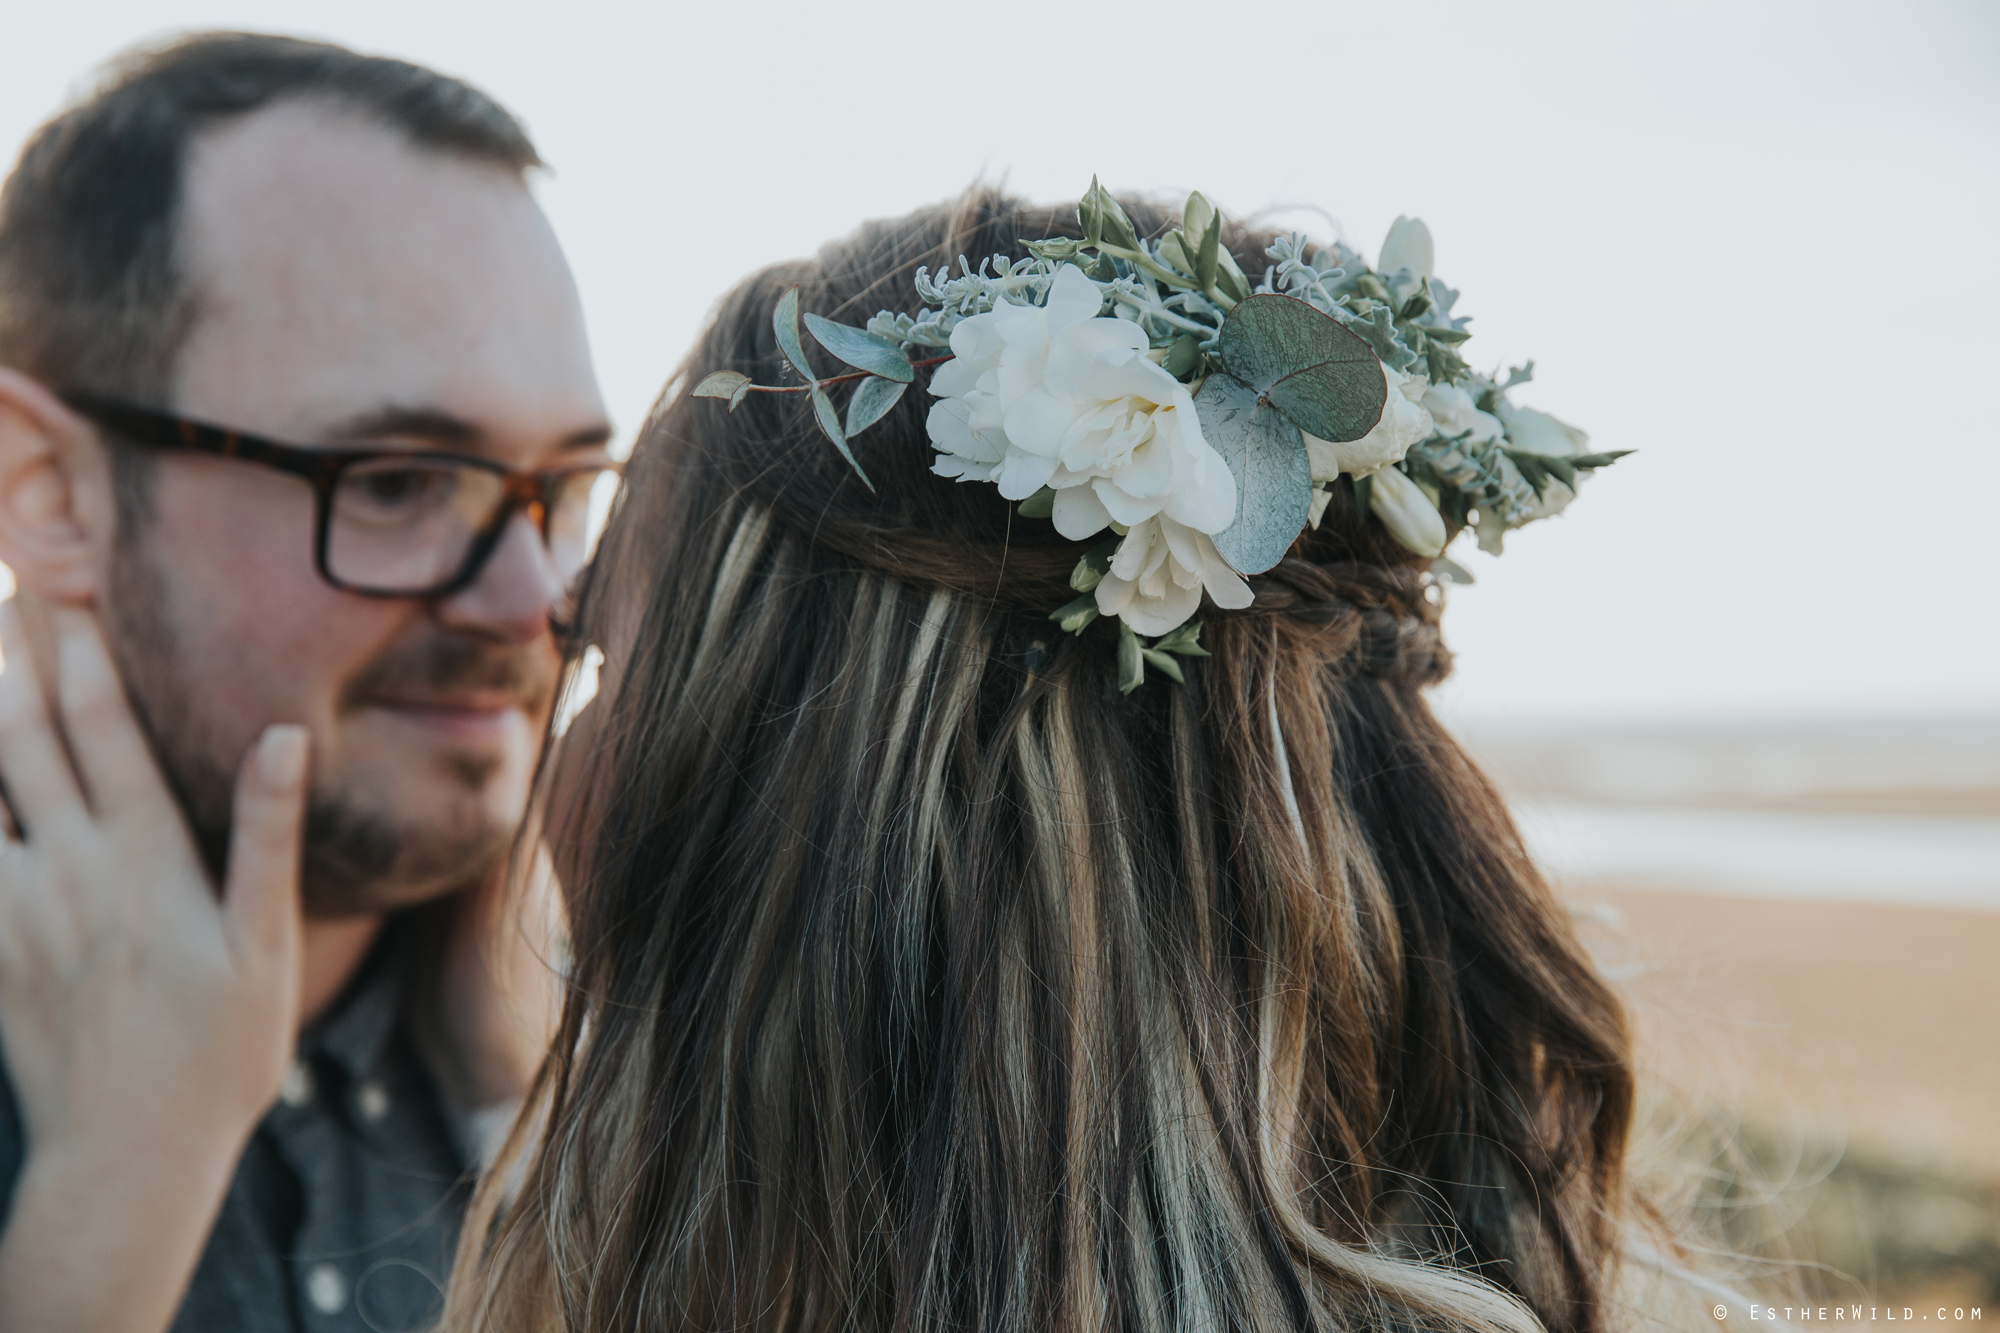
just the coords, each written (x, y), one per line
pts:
(347, 1202)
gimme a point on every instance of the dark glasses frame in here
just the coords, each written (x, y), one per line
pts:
(532, 492)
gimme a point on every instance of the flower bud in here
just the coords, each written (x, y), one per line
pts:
(1408, 245)
(1407, 512)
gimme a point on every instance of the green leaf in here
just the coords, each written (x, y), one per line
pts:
(1077, 615)
(1131, 661)
(872, 399)
(1599, 460)
(785, 323)
(1094, 565)
(1205, 257)
(1540, 468)
(1182, 641)
(1166, 665)
(1364, 493)
(1104, 222)
(722, 384)
(1273, 474)
(829, 421)
(1042, 504)
(1449, 337)
(1229, 279)
(1532, 467)
(1058, 249)
(1450, 571)
(863, 351)
(1309, 365)
(1183, 357)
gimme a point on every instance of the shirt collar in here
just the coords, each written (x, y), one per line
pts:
(353, 1032)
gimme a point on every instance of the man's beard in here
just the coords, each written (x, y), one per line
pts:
(357, 858)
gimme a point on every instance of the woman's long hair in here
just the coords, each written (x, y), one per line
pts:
(924, 981)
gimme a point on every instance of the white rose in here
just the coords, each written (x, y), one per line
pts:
(1404, 422)
(997, 357)
(1408, 245)
(1455, 413)
(1055, 396)
(1157, 576)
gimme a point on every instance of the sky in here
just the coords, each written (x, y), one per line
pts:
(1752, 240)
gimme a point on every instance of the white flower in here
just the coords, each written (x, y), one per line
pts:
(1407, 512)
(1455, 413)
(997, 357)
(1158, 574)
(1408, 245)
(1055, 396)
(1404, 422)
(1540, 433)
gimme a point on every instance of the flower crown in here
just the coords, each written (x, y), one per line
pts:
(1148, 388)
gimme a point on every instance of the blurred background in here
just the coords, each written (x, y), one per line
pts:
(1745, 694)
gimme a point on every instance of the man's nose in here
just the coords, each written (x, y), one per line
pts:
(516, 589)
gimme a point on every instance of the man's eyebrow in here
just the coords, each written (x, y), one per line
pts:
(421, 423)
(438, 427)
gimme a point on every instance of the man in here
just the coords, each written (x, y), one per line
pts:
(227, 1113)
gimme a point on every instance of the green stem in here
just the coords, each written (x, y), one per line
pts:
(841, 379)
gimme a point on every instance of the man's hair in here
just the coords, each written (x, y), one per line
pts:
(91, 293)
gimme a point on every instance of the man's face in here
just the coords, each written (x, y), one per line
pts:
(350, 289)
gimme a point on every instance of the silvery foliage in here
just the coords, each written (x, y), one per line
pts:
(1398, 313)
(1128, 292)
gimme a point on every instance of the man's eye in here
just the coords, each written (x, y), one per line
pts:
(385, 487)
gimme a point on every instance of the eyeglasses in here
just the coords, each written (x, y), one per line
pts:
(394, 522)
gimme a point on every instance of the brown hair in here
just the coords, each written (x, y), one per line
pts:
(923, 980)
(92, 295)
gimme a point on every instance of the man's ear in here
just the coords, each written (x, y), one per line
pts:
(54, 492)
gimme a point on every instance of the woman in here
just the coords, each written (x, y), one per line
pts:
(924, 979)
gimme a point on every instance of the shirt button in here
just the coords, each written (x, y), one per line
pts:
(326, 1288)
(371, 1099)
(297, 1089)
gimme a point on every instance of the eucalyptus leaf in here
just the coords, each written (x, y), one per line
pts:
(829, 421)
(1309, 365)
(725, 384)
(1131, 660)
(871, 402)
(1164, 664)
(863, 351)
(785, 323)
(1042, 504)
(1267, 455)
(721, 384)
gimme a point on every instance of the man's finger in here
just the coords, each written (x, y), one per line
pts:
(112, 758)
(260, 895)
(42, 792)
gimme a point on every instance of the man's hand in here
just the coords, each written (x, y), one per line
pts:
(146, 1022)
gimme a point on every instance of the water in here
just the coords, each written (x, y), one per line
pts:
(1904, 860)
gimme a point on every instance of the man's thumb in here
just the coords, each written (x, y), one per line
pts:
(260, 894)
